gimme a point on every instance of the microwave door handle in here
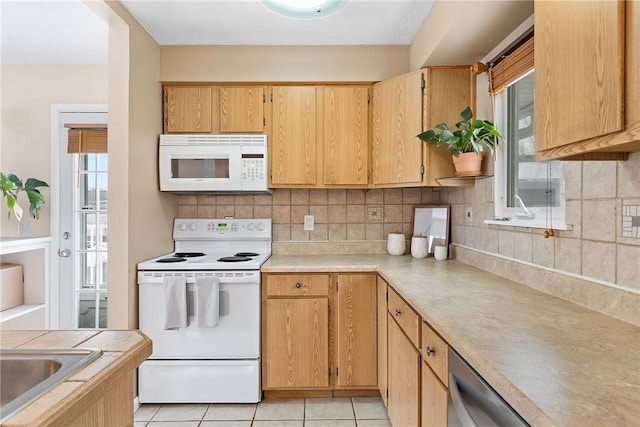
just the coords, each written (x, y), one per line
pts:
(458, 405)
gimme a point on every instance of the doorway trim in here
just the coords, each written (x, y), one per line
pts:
(52, 311)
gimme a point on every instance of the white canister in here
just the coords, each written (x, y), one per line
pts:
(419, 246)
(440, 252)
(396, 244)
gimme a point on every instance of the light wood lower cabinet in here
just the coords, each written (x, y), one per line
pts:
(355, 358)
(382, 338)
(435, 378)
(319, 332)
(434, 399)
(403, 369)
(297, 348)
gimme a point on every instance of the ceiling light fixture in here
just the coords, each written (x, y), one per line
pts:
(304, 9)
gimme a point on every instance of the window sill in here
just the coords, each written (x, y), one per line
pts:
(511, 222)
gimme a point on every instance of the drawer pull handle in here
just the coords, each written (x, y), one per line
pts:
(398, 312)
(298, 285)
(429, 350)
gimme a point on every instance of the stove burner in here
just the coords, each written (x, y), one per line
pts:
(188, 254)
(246, 254)
(172, 259)
(234, 259)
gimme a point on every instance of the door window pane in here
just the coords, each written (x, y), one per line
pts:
(91, 228)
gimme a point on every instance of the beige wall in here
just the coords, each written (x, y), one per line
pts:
(450, 35)
(140, 216)
(282, 63)
(25, 129)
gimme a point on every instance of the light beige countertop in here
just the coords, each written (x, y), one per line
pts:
(122, 351)
(555, 362)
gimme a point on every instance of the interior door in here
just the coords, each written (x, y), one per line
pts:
(82, 231)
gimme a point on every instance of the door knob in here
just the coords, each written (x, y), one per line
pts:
(65, 253)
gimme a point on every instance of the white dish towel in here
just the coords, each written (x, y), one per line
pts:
(175, 302)
(207, 301)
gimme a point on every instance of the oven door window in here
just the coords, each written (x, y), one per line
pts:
(200, 168)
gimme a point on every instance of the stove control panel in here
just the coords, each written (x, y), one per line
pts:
(234, 229)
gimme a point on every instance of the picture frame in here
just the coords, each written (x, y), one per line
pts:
(432, 221)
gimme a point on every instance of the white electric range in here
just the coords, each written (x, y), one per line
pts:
(196, 364)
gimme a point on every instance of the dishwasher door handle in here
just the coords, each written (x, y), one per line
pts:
(458, 405)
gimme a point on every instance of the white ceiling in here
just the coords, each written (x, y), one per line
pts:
(67, 31)
(248, 22)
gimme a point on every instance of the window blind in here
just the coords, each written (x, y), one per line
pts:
(87, 138)
(513, 66)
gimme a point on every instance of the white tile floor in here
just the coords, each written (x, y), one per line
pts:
(336, 412)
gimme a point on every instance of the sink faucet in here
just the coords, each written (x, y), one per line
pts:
(527, 214)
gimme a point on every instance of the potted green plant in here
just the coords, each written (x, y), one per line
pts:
(12, 186)
(467, 143)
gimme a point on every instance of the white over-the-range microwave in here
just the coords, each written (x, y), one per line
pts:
(213, 163)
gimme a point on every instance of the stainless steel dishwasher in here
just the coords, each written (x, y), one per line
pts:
(472, 402)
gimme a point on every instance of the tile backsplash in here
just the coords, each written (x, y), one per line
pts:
(339, 215)
(602, 204)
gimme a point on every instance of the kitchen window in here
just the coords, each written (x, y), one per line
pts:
(528, 193)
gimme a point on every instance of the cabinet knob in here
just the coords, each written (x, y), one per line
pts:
(398, 312)
(298, 285)
(429, 351)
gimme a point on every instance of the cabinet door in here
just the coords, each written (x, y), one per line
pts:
(346, 135)
(356, 331)
(397, 119)
(187, 109)
(448, 91)
(293, 139)
(579, 56)
(241, 109)
(404, 378)
(296, 348)
(434, 400)
(382, 338)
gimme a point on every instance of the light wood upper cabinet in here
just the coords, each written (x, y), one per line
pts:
(397, 119)
(214, 109)
(448, 91)
(346, 135)
(403, 107)
(587, 62)
(187, 110)
(293, 136)
(356, 364)
(320, 136)
(242, 109)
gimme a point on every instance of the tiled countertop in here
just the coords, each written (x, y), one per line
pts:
(123, 351)
(555, 362)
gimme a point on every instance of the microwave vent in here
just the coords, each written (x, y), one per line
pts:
(231, 139)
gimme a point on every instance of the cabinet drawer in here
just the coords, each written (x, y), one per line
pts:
(435, 351)
(297, 285)
(406, 317)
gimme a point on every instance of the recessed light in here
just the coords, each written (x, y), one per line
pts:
(304, 9)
